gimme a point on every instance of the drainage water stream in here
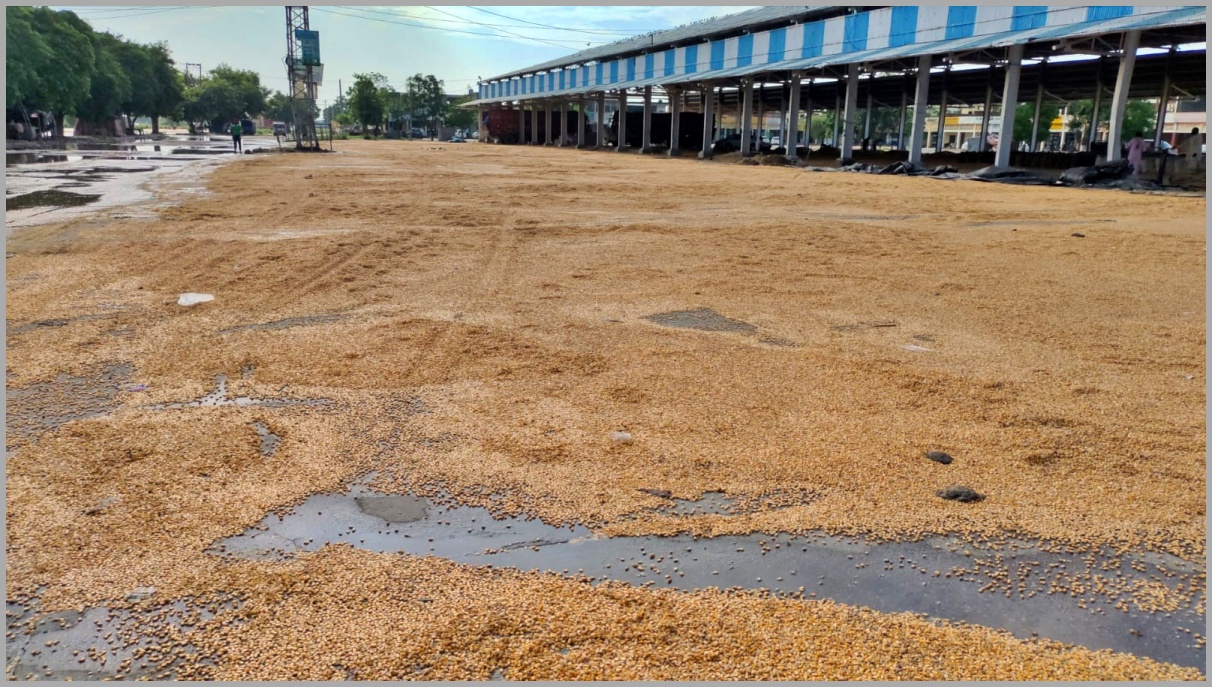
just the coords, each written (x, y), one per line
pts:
(887, 577)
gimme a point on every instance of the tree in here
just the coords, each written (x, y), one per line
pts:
(136, 64)
(461, 117)
(26, 55)
(425, 99)
(224, 95)
(278, 107)
(366, 100)
(1139, 115)
(63, 74)
(109, 87)
(170, 85)
(1025, 113)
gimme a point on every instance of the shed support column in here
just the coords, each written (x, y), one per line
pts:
(900, 121)
(1119, 101)
(1165, 100)
(837, 119)
(621, 119)
(646, 143)
(548, 126)
(985, 113)
(1039, 105)
(851, 114)
(708, 120)
(921, 93)
(867, 117)
(746, 94)
(1092, 135)
(563, 123)
(1005, 141)
(599, 139)
(761, 118)
(581, 123)
(783, 114)
(793, 118)
(534, 124)
(521, 123)
(942, 115)
(675, 120)
(807, 116)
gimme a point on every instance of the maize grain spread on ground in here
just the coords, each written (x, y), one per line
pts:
(543, 332)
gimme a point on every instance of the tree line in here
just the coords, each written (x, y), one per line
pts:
(372, 102)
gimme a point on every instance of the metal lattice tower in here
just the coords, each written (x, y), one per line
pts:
(302, 81)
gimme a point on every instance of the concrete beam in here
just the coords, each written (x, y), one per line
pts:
(675, 119)
(621, 119)
(985, 114)
(942, 114)
(708, 120)
(1098, 103)
(1119, 100)
(917, 134)
(1164, 100)
(1039, 104)
(747, 118)
(793, 128)
(600, 139)
(646, 140)
(1005, 141)
(900, 121)
(850, 119)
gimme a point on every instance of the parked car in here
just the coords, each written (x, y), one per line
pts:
(280, 128)
(416, 132)
(248, 127)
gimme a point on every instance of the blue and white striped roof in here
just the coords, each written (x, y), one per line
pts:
(873, 36)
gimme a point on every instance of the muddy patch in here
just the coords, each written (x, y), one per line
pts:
(284, 323)
(55, 199)
(269, 440)
(702, 319)
(44, 406)
(220, 397)
(17, 330)
(1026, 588)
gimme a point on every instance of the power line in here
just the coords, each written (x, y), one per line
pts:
(434, 28)
(511, 33)
(559, 28)
(142, 13)
(465, 21)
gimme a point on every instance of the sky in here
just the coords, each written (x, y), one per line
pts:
(450, 42)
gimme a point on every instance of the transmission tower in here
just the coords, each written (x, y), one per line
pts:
(302, 58)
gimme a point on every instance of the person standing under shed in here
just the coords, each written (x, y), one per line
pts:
(1191, 149)
(1136, 152)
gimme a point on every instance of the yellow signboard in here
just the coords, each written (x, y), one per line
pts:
(951, 121)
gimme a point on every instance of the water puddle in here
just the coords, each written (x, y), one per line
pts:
(99, 643)
(220, 397)
(1018, 587)
(17, 330)
(269, 440)
(44, 406)
(57, 199)
(284, 323)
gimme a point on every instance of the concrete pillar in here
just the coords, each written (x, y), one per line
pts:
(867, 123)
(1005, 141)
(563, 122)
(942, 114)
(600, 139)
(708, 120)
(761, 116)
(1119, 100)
(534, 124)
(746, 102)
(783, 114)
(621, 118)
(1039, 104)
(522, 123)
(850, 119)
(900, 121)
(807, 114)
(917, 135)
(793, 119)
(675, 119)
(837, 116)
(1092, 135)
(984, 142)
(646, 141)
(1165, 99)
(547, 131)
(581, 123)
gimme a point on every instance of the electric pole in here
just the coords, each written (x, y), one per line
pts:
(302, 67)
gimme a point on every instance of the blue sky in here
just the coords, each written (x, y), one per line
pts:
(372, 39)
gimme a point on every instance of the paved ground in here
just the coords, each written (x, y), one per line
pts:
(579, 337)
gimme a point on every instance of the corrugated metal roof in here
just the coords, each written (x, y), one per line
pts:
(1185, 16)
(662, 39)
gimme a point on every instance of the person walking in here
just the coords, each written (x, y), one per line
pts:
(1136, 152)
(236, 132)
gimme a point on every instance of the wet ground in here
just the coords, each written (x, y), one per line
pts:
(44, 186)
(1018, 586)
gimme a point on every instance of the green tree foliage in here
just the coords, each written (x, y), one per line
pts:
(367, 99)
(1023, 116)
(461, 117)
(110, 86)
(60, 62)
(278, 108)
(1139, 115)
(425, 99)
(170, 84)
(223, 95)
